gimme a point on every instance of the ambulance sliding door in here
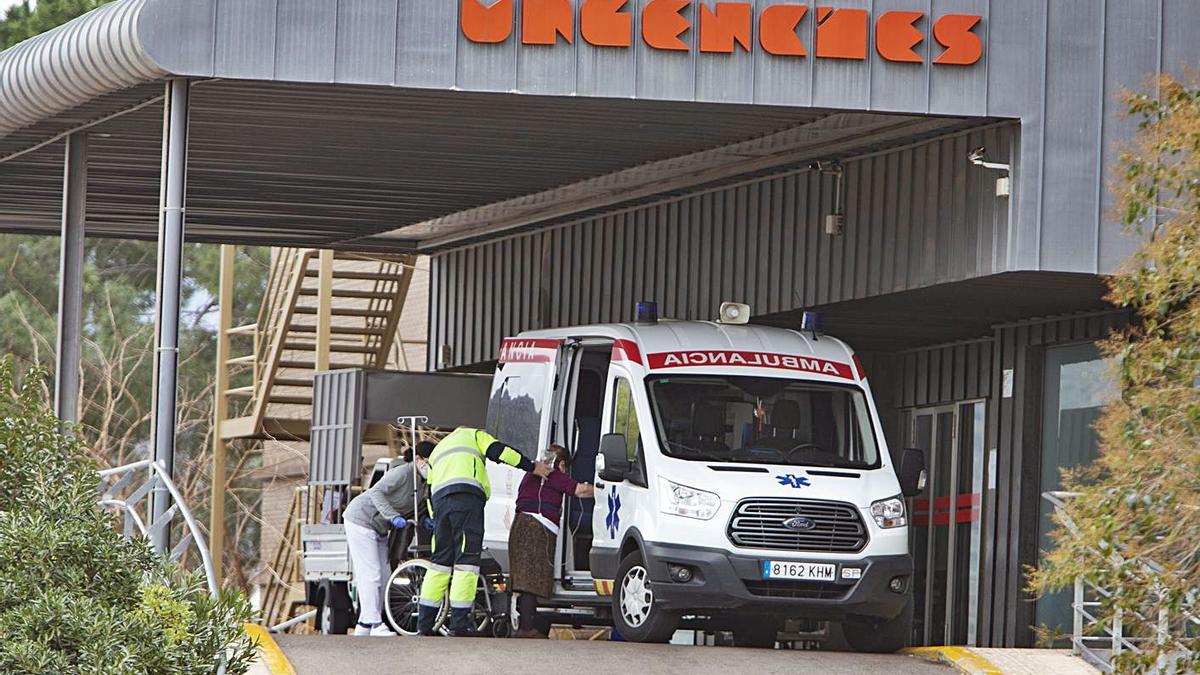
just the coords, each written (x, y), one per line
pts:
(519, 415)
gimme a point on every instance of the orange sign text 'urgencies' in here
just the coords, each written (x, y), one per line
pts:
(725, 27)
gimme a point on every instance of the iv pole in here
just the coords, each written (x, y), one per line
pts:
(412, 421)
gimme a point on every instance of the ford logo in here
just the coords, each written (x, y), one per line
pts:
(799, 523)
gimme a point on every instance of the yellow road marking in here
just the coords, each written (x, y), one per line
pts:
(962, 658)
(272, 655)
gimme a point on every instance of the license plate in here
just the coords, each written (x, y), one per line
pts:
(779, 569)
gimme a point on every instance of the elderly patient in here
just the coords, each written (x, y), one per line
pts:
(531, 541)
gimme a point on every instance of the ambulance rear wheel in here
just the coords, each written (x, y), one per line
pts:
(637, 616)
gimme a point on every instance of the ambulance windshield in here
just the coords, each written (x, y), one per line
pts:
(762, 420)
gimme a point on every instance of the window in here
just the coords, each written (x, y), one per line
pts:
(514, 413)
(625, 421)
(763, 420)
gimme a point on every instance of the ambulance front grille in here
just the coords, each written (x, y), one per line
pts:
(759, 523)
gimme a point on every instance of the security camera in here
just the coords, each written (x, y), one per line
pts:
(976, 158)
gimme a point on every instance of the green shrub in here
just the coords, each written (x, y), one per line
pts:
(76, 597)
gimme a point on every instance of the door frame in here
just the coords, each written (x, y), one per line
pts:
(955, 409)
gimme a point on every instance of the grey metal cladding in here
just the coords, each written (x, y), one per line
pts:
(915, 217)
(365, 28)
(245, 38)
(93, 55)
(335, 448)
(1058, 67)
(1071, 152)
(304, 50)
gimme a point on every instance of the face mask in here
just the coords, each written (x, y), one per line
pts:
(423, 469)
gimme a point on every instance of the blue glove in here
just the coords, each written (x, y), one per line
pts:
(427, 524)
(399, 522)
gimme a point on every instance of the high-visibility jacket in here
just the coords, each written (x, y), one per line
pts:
(456, 464)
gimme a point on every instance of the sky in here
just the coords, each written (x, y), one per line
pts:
(5, 4)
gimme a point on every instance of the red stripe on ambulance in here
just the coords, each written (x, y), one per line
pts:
(691, 359)
(528, 350)
(626, 350)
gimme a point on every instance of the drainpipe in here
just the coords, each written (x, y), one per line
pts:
(172, 183)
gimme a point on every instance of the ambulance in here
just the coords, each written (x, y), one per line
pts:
(741, 478)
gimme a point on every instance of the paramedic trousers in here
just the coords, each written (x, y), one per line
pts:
(457, 549)
(369, 562)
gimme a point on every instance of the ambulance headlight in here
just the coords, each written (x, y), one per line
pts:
(889, 513)
(681, 500)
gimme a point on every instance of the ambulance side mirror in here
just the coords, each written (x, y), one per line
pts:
(614, 458)
(912, 472)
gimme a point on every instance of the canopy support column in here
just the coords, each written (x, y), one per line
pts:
(172, 184)
(70, 288)
(216, 528)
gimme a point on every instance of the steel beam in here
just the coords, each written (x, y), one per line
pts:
(324, 310)
(216, 525)
(70, 286)
(172, 184)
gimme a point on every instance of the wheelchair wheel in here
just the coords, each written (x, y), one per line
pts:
(404, 595)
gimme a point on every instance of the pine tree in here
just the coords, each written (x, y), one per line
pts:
(1136, 516)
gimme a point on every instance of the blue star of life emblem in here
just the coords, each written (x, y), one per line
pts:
(613, 520)
(792, 480)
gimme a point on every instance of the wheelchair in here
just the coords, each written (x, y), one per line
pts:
(489, 615)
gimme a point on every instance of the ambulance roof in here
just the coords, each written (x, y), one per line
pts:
(669, 336)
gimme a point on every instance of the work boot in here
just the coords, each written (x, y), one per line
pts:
(426, 616)
(460, 624)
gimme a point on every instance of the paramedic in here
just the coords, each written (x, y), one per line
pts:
(534, 535)
(459, 488)
(386, 504)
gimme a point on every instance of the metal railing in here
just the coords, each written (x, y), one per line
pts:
(1100, 641)
(125, 489)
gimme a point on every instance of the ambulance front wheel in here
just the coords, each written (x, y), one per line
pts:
(636, 614)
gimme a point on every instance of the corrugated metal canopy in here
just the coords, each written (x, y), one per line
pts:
(336, 165)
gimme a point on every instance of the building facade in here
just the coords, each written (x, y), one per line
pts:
(930, 174)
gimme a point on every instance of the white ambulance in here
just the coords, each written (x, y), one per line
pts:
(741, 474)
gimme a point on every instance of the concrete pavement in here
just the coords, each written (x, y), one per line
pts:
(322, 655)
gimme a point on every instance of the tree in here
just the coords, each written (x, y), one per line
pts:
(118, 334)
(76, 597)
(1134, 526)
(22, 21)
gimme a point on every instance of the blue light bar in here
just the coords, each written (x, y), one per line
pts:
(811, 322)
(646, 312)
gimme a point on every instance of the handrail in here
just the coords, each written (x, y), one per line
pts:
(1090, 636)
(275, 328)
(158, 476)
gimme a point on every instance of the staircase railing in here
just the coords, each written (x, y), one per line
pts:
(285, 575)
(1099, 641)
(124, 489)
(279, 304)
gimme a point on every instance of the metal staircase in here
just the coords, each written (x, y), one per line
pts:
(320, 310)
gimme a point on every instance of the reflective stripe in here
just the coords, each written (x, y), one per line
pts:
(469, 569)
(444, 569)
(511, 457)
(441, 454)
(458, 481)
(462, 604)
(430, 603)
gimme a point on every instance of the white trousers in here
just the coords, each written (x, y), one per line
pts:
(369, 562)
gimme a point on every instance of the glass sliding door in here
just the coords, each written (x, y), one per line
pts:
(945, 535)
(1078, 383)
